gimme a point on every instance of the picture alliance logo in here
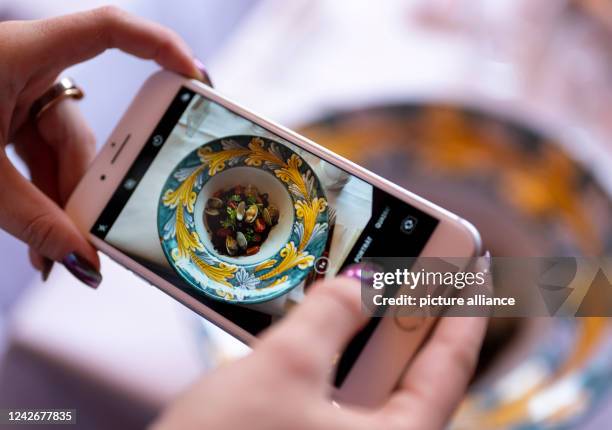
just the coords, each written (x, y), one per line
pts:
(537, 287)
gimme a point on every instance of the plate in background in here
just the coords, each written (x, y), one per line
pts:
(527, 197)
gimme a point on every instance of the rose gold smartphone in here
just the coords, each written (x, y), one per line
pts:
(236, 217)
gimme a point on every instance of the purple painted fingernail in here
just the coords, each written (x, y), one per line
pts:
(47, 266)
(359, 271)
(82, 269)
(202, 68)
(352, 271)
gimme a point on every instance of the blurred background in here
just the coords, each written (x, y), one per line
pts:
(498, 110)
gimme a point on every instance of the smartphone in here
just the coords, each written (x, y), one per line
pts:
(236, 217)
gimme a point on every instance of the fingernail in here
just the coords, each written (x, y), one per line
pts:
(352, 271)
(47, 266)
(202, 69)
(82, 269)
(359, 271)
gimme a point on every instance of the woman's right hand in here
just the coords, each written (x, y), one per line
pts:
(284, 383)
(58, 147)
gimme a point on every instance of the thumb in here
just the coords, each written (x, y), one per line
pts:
(29, 215)
(317, 330)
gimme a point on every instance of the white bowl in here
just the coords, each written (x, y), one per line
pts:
(266, 182)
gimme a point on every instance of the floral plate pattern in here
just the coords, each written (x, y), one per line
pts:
(202, 268)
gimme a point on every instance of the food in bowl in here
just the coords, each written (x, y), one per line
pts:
(239, 220)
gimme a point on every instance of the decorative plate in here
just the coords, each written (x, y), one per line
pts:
(291, 252)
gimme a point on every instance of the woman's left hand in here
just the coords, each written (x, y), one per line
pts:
(59, 146)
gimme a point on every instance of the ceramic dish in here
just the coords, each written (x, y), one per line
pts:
(293, 244)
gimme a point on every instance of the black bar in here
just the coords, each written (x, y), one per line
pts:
(388, 240)
(142, 162)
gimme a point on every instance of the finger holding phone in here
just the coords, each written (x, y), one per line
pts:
(283, 384)
(57, 145)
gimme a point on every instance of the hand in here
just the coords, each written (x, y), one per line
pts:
(284, 384)
(59, 146)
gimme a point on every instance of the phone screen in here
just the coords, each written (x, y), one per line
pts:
(245, 221)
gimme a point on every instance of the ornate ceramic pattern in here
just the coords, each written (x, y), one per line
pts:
(202, 268)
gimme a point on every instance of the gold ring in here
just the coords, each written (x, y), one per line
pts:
(64, 88)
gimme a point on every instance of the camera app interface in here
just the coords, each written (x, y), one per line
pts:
(245, 221)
